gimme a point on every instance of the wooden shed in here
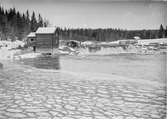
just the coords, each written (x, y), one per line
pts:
(31, 39)
(47, 40)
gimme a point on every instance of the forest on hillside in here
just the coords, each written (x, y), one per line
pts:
(111, 34)
(16, 26)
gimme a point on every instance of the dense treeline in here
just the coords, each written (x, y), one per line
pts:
(14, 25)
(110, 34)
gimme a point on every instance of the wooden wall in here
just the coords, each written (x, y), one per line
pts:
(55, 40)
(30, 43)
(47, 43)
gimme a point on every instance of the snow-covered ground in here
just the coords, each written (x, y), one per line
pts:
(28, 55)
(6, 54)
(8, 50)
(145, 41)
(142, 46)
(5, 49)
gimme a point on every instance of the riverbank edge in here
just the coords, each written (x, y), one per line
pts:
(92, 76)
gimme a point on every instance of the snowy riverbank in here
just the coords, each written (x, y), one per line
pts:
(15, 50)
(11, 50)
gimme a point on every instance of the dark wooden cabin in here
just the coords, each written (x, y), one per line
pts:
(31, 40)
(46, 40)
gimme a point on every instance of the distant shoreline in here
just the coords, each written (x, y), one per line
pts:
(7, 54)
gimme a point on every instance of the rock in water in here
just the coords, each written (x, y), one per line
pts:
(1, 65)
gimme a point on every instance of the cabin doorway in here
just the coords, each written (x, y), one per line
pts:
(34, 48)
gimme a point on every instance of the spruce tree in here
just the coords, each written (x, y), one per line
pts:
(161, 31)
(33, 23)
(166, 32)
(40, 21)
(19, 26)
(28, 23)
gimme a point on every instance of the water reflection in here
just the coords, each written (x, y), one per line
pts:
(43, 62)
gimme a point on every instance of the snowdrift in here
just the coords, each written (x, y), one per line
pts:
(26, 56)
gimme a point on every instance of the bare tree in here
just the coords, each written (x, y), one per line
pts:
(46, 23)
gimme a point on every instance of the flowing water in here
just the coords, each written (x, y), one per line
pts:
(138, 66)
(150, 67)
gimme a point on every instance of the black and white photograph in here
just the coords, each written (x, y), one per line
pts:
(83, 59)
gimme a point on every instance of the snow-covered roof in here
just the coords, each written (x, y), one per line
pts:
(32, 34)
(45, 30)
(136, 37)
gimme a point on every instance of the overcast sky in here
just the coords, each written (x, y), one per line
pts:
(95, 13)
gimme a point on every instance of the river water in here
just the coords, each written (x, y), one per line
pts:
(137, 66)
(150, 67)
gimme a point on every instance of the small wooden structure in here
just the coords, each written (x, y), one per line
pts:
(31, 40)
(46, 40)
